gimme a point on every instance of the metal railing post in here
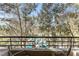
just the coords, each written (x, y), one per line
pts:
(10, 43)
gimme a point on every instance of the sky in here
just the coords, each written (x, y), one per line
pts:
(38, 9)
(33, 13)
(3, 15)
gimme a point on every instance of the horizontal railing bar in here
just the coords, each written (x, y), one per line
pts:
(61, 45)
(33, 45)
(16, 45)
(39, 37)
(17, 41)
(62, 41)
(34, 41)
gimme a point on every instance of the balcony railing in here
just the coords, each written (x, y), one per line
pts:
(52, 41)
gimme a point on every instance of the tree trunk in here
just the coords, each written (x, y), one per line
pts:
(18, 12)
